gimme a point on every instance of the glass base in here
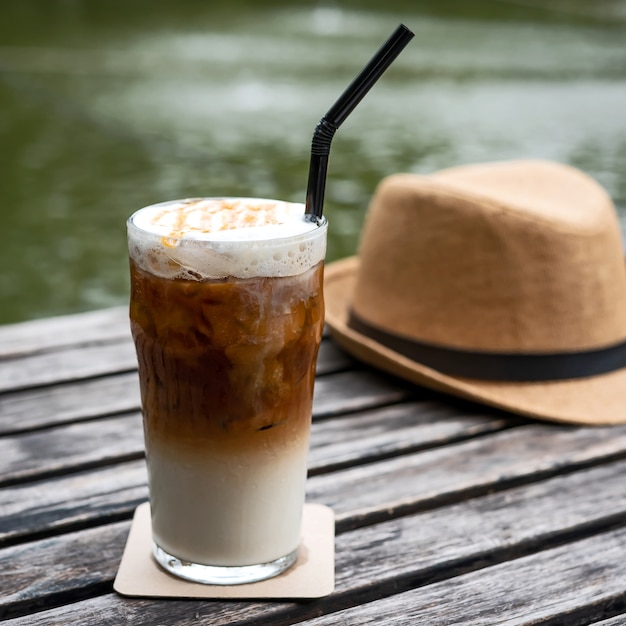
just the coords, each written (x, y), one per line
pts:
(222, 575)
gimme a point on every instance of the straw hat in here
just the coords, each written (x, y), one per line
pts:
(504, 283)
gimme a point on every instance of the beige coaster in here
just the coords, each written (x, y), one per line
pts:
(311, 576)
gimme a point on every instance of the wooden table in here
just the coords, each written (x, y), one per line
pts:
(446, 512)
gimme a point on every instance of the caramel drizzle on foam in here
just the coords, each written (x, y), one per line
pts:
(214, 216)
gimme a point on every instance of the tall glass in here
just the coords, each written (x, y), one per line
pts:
(227, 334)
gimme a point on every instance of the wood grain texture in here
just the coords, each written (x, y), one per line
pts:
(76, 363)
(78, 400)
(42, 453)
(334, 443)
(67, 568)
(64, 503)
(393, 430)
(447, 512)
(433, 477)
(63, 403)
(52, 333)
(373, 562)
(71, 449)
(101, 358)
(352, 391)
(359, 495)
(67, 330)
(618, 620)
(571, 584)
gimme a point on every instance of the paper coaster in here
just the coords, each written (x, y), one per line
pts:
(311, 576)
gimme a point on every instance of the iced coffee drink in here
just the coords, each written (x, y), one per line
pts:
(226, 313)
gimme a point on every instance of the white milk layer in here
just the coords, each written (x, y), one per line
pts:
(228, 511)
(202, 238)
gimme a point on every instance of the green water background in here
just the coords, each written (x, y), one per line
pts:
(106, 106)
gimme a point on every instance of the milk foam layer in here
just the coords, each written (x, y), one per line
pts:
(201, 238)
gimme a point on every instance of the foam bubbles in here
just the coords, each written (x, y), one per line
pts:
(205, 238)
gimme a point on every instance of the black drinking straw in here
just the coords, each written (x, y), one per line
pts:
(336, 115)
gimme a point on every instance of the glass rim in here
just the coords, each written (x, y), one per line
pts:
(319, 226)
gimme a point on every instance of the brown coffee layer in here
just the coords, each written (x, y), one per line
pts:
(226, 364)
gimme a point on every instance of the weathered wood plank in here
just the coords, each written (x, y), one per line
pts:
(67, 330)
(398, 554)
(411, 484)
(433, 477)
(360, 495)
(50, 406)
(77, 363)
(36, 408)
(63, 569)
(394, 430)
(619, 620)
(332, 359)
(355, 391)
(67, 502)
(77, 446)
(571, 584)
(334, 443)
(52, 333)
(103, 358)
(349, 392)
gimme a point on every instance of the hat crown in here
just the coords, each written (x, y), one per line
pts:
(514, 257)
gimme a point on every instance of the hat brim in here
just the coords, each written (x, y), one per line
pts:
(597, 400)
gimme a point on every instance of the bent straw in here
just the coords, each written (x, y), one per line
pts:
(336, 115)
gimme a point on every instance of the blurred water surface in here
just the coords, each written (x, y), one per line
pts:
(108, 106)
